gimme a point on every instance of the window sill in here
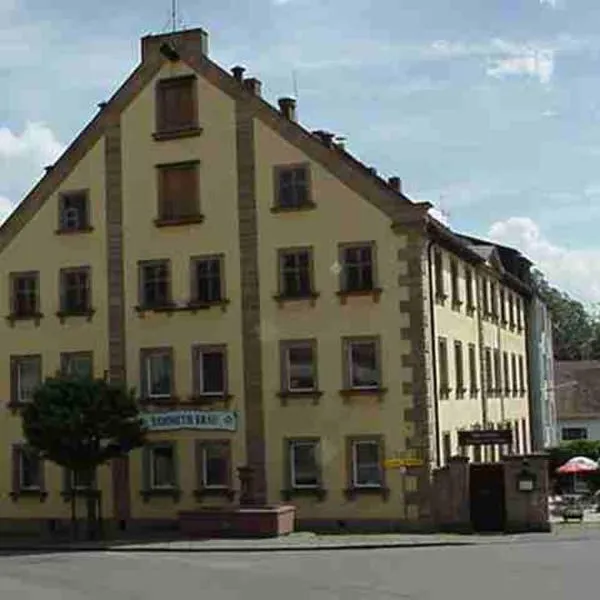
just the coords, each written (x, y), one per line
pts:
(195, 305)
(87, 229)
(445, 393)
(456, 304)
(343, 295)
(522, 392)
(16, 406)
(460, 393)
(179, 221)
(214, 492)
(192, 131)
(282, 299)
(440, 298)
(80, 493)
(141, 309)
(293, 209)
(353, 492)
(286, 395)
(317, 492)
(349, 393)
(66, 314)
(210, 399)
(174, 493)
(35, 317)
(160, 401)
(473, 392)
(512, 327)
(40, 494)
(470, 310)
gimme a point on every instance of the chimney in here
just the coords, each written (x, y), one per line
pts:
(372, 170)
(287, 107)
(190, 42)
(395, 183)
(102, 105)
(48, 168)
(325, 136)
(253, 85)
(238, 73)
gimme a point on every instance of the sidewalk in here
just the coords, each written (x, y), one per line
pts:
(305, 542)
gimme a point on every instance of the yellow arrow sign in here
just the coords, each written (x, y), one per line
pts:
(396, 463)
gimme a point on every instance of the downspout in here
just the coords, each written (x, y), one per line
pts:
(434, 377)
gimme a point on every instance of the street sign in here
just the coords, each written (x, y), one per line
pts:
(399, 463)
(482, 437)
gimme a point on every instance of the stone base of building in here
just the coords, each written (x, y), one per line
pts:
(240, 522)
(359, 526)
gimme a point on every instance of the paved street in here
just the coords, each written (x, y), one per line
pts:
(550, 570)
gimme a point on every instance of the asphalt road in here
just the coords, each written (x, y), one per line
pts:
(550, 570)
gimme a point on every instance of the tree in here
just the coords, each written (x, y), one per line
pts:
(576, 331)
(80, 424)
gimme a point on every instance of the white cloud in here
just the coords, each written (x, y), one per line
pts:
(531, 62)
(575, 271)
(551, 3)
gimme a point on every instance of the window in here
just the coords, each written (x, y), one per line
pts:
(26, 376)
(176, 104)
(497, 372)
(525, 435)
(27, 470)
(155, 284)
(363, 368)
(299, 366)
(447, 446)
(469, 289)
(304, 468)
(292, 187)
(502, 306)
(472, 369)
(443, 367)
(519, 308)
(494, 300)
(513, 360)
(214, 465)
(569, 434)
(455, 290)
(75, 296)
(157, 373)
(207, 279)
(489, 382)
(79, 480)
(295, 273)
(77, 364)
(25, 294)
(210, 370)
(73, 213)
(459, 369)
(366, 461)
(521, 375)
(506, 374)
(358, 267)
(161, 466)
(485, 297)
(511, 311)
(178, 192)
(438, 267)
(517, 436)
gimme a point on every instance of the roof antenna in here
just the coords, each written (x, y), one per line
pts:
(174, 15)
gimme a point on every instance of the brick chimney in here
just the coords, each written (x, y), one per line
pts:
(395, 183)
(190, 42)
(287, 107)
(253, 85)
(238, 73)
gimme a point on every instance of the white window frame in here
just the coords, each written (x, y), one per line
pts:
(22, 454)
(350, 366)
(355, 484)
(20, 364)
(152, 473)
(200, 367)
(204, 471)
(148, 373)
(292, 445)
(288, 368)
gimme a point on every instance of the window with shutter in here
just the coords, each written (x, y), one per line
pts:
(176, 105)
(178, 193)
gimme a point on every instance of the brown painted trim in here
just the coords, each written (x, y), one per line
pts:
(250, 297)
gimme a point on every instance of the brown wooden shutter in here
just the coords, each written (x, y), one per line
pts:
(16, 469)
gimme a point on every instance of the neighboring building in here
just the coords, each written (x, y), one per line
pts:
(577, 389)
(202, 246)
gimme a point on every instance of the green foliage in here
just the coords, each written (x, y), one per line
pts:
(82, 423)
(576, 331)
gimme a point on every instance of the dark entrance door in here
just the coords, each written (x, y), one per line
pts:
(487, 497)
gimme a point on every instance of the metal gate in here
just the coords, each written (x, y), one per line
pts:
(487, 501)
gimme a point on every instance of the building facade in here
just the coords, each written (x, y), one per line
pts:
(274, 302)
(577, 389)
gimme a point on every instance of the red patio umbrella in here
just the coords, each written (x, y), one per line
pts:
(576, 466)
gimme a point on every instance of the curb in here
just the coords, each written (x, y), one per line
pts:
(227, 550)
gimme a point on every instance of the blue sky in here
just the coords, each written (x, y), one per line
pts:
(491, 111)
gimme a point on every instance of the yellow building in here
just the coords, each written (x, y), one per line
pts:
(274, 302)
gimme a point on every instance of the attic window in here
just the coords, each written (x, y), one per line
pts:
(176, 108)
(292, 188)
(74, 212)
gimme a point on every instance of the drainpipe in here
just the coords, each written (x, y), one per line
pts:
(434, 376)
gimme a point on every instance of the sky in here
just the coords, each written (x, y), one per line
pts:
(488, 109)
